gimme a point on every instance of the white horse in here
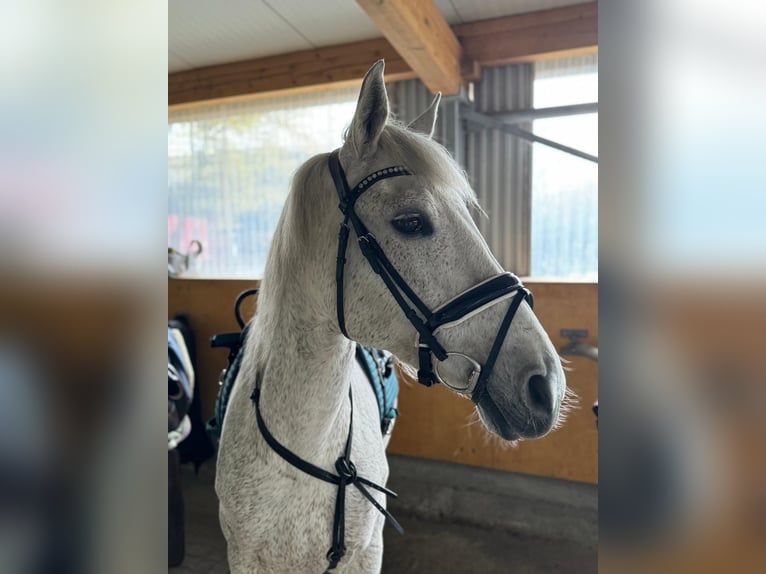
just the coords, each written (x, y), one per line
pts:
(276, 518)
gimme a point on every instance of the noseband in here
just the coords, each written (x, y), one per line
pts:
(426, 322)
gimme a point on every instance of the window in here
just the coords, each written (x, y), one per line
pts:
(230, 168)
(229, 172)
(565, 187)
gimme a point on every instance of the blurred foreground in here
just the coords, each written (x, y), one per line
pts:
(83, 138)
(682, 305)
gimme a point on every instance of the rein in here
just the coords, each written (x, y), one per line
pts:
(346, 475)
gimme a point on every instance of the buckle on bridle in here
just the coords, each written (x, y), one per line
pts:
(335, 555)
(364, 240)
(365, 244)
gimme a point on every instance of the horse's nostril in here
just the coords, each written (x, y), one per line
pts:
(540, 396)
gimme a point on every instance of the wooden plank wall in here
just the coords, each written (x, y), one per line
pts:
(434, 423)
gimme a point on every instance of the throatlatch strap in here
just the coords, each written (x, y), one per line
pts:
(340, 266)
(341, 186)
(346, 475)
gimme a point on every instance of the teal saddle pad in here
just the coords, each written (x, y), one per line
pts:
(377, 365)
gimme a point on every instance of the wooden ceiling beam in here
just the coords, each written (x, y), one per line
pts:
(560, 32)
(294, 72)
(522, 38)
(423, 38)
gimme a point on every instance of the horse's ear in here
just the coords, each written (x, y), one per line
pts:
(426, 122)
(371, 113)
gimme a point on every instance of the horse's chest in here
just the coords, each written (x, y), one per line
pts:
(287, 517)
(278, 516)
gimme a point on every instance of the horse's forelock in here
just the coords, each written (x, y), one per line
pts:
(428, 159)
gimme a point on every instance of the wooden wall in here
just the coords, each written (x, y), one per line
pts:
(210, 306)
(434, 422)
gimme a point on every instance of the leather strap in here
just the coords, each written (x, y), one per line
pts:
(340, 266)
(346, 475)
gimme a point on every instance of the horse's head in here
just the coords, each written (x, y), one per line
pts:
(424, 226)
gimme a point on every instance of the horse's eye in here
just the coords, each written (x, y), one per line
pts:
(411, 224)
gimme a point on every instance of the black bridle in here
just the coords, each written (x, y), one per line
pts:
(425, 321)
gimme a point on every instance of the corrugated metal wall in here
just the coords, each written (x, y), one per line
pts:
(408, 99)
(498, 165)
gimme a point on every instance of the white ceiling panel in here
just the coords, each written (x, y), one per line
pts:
(206, 32)
(447, 8)
(327, 22)
(176, 63)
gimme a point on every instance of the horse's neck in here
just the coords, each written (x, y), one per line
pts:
(304, 367)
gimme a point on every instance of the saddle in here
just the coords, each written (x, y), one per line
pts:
(376, 364)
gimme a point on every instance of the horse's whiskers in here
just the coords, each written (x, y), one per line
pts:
(409, 372)
(569, 403)
(534, 426)
(491, 439)
(565, 364)
(472, 419)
